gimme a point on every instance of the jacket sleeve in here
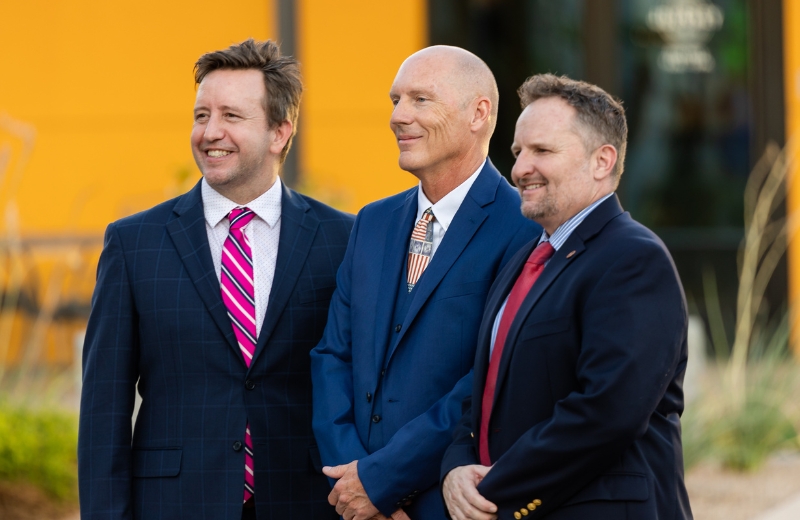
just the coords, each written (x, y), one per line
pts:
(332, 375)
(410, 462)
(110, 372)
(633, 323)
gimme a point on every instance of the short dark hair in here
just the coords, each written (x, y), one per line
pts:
(597, 110)
(281, 78)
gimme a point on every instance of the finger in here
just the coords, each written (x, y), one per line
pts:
(333, 497)
(400, 515)
(477, 501)
(334, 471)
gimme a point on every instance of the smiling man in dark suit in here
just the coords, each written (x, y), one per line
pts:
(577, 396)
(211, 302)
(395, 363)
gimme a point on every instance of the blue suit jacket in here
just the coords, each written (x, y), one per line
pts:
(158, 317)
(586, 416)
(389, 394)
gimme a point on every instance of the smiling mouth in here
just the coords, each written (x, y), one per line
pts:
(218, 153)
(532, 187)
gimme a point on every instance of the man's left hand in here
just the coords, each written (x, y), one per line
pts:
(348, 495)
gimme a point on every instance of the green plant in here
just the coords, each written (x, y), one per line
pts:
(38, 446)
(747, 411)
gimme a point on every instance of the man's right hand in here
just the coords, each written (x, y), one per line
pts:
(397, 515)
(460, 490)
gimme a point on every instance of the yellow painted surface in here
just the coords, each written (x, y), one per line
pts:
(791, 50)
(96, 105)
(107, 89)
(350, 52)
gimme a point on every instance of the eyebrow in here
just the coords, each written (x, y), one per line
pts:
(223, 107)
(415, 93)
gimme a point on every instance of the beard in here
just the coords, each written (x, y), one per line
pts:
(538, 210)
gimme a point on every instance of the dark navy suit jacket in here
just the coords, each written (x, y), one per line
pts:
(158, 318)
(389, 393)
(586, 417)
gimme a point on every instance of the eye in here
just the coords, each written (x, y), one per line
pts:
(421, 99)
(201, 117)
(395, 101)
(231, 115)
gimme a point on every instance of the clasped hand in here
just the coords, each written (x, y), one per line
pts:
(460, 490)
(350, 498)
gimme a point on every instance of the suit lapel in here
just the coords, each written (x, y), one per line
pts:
(298, 228)
(402, 222)
(188, 234)
(567, 253)
(465, 224)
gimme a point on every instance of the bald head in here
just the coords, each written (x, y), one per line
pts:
(467, 74)
(445, 111)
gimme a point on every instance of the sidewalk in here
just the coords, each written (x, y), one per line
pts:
(789, 509)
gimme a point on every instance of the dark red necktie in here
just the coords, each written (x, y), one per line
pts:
(530, 272)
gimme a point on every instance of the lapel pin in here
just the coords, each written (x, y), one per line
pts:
(570, 254)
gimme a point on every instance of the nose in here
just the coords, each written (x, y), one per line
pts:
(522, 166)
(401, 115)
(214, 129)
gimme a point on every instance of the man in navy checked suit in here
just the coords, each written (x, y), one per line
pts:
(159, 322)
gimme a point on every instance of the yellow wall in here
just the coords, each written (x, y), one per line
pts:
(350, 52)
(108, 89)
(95, 113)
(791, 50)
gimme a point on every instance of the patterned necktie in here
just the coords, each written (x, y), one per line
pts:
(420, 248)
(238, 293)
(530, 272)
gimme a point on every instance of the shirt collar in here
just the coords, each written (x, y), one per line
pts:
(266, 206)
(563, 232)
(445, 210)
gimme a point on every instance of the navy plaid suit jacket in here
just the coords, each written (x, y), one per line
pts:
(158, 318)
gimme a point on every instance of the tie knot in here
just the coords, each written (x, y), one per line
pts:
(427, 215)
(541, 253)
(240, 217)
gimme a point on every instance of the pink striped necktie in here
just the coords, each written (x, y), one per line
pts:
(420, 248)
(238, 293)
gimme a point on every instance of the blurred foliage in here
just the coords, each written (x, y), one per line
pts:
(742, 436)
(747, 409)
(38, 446)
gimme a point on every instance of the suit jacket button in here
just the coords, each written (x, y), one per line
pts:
(249, 384)
(369, 397)
(517, 515)
(237, 446)
(398, 328)
(376, 418)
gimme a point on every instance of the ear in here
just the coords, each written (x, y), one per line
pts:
(280, 136)
(603, 161)
(481, 113)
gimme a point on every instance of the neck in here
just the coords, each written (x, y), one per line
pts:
(436, 184)
(246, 193)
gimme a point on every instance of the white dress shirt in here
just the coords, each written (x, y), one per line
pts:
(446, 208)
(263, 233)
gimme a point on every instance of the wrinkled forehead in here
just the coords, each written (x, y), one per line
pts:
(425, 74)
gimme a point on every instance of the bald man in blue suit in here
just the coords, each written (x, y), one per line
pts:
(394, 364)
